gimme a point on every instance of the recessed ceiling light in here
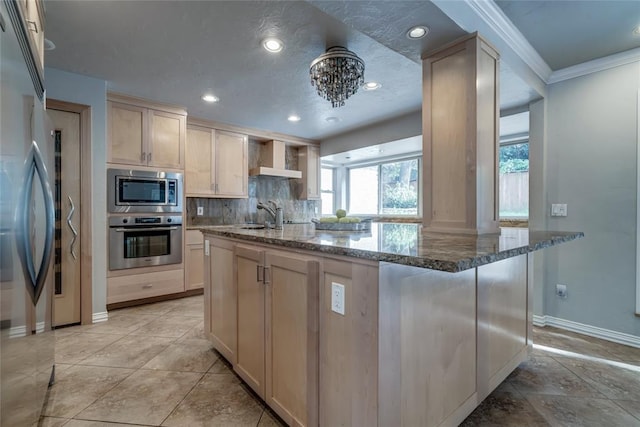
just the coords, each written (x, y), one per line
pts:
(272, 45)
(371, 86)
(293, 118)
(49, 45)
(417, 32)
(636, 31)
(332, 119)
(210, 98)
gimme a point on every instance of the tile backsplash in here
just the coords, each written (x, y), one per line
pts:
(283, 191)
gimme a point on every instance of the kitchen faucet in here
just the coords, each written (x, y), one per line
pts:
(275, 212)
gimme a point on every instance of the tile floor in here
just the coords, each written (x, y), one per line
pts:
(151, 365)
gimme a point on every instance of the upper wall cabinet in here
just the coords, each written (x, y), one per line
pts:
(309, 164)
(145, 135)
(33, 16)
(216, 163)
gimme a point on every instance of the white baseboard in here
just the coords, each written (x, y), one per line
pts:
(592, 331)
(17, 331)
(100, 317)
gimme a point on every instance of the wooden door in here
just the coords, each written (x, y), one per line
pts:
(194, 260)
(221, 298)
(168, 133)
(68, 206)
(128, 129)
(292, 337)
(251, 329)
(231, 164)
(198, 170)
(309, 159)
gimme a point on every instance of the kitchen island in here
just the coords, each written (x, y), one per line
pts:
(390, 327)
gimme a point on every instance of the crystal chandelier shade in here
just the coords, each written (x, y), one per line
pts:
(337, 74)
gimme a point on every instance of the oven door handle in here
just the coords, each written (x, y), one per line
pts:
(122, 230)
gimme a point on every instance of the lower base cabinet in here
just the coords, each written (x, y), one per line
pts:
(275, 346)
(145, 285)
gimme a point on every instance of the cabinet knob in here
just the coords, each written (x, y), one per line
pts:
(143, 157)
(147, 286)
(149, 157)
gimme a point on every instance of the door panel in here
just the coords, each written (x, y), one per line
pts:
(67, 184)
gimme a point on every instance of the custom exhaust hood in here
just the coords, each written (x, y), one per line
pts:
(273, 162)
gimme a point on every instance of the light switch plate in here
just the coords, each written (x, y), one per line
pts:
(559, 209)
(337, 298)
(206, 248)
(200, 210)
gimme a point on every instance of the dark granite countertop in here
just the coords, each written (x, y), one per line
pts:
(403, 243)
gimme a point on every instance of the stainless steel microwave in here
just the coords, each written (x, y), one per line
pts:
(143, 191)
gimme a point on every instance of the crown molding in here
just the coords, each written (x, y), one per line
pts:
(595, 65)
(495, 18)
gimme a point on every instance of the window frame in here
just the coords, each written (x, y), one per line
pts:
(334, 183)
(519, 139)
(379, 163)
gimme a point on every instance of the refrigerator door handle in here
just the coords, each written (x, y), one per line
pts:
(72, 228)
(35, 282)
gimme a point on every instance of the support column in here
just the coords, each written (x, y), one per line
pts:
(460, 129)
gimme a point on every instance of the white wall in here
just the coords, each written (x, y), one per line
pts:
(590, 164)
(402, 127)
(78, 89)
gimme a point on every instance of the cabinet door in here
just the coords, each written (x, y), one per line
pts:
(231, 164)
(292, 337)
(220, 297)
(251, 329)
(127, 133)
(309, 163)
(198, 163)
(194, 260)
(168, 133)
(33, 12)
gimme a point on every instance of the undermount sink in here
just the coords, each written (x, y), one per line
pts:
(252, 226)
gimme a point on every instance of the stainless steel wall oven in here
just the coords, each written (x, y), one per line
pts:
(144, 241)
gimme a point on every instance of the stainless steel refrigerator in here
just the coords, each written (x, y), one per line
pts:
(26, 228)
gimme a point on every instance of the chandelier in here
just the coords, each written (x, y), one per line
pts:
(337, 74)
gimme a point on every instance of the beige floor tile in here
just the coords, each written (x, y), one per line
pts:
(581, 411)
(184, 357)
(84, 423)
(196, 334)
(630, 406)
(51, 422)
(625, 353)
(569, 341)
(145, 397)
(221, 367)
(505, 407)
(218, 400)
(269, 419)
(167, 326)
(547, 376)
(614, 382)
(75, 347)
(79, 386)
(129, 352)
(122, 324)
(154, 309)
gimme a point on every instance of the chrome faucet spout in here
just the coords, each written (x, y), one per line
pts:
(268, 209)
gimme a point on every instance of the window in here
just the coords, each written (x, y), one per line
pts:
(327, 191)
(514, 180)
(389, 188)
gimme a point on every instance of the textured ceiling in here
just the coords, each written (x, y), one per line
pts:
(174, 51)
(567, 33)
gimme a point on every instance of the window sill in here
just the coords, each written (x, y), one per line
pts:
(515, 223)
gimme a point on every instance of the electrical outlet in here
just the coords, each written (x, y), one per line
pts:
(561, 290)
(559, 209)
(200, 210)
(337, 298)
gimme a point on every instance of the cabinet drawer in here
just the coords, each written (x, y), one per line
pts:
(193, 237)
(138, 286)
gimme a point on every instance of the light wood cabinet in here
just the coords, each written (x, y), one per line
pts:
(216, 163)
(277, 335)
(33, 16)
(220, 296)
(194, 260)
(144, 136)
(309, 164)
(145, 285)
